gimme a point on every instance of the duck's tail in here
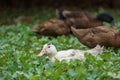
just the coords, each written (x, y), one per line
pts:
(98, 47)
(107, 18)
(96, 50)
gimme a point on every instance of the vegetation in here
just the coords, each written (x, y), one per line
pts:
(19, 48)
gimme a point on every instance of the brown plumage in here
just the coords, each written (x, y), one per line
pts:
(101, 35)
(78, 19)
(52, 27)
(84, 19)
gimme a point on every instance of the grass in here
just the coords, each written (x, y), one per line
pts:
(19, 48)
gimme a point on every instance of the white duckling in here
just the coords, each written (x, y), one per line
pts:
(51, 51)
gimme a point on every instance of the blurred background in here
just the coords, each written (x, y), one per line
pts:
(53, 3)
(31, 11)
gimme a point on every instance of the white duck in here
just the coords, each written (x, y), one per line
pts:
(51, 51)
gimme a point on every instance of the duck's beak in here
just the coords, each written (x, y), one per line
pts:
(42, 52)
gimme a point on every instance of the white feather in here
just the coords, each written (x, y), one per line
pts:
(51, 51)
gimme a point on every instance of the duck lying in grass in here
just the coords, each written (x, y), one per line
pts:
(101, 35)
(52, 27)
(52, 53)
(84, 19)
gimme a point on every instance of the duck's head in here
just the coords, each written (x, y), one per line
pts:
(105, 17)
(48, 49)
(59, 13)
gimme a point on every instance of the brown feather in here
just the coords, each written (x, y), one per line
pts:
(79, 19)
(101, 35)
(53, 27)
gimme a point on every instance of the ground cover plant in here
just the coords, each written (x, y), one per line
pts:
(19, 48)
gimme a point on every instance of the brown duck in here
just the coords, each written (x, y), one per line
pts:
(53, 27)
(101, 35)
(84, 19)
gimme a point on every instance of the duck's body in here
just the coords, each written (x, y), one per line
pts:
(53, 27)
(78, 19)
(101, 35)
(53, 55)
(84, 19)
(68, 54)
(83, 23)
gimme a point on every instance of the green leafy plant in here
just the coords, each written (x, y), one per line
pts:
(19, 48)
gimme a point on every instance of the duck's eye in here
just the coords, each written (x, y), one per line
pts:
(48, 46)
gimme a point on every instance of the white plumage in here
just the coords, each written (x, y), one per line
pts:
(51, 51)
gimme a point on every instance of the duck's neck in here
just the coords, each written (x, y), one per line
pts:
(52, 54)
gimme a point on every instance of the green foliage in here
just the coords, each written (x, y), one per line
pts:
(19, 48)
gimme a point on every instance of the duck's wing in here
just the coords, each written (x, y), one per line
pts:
(70, 54)
(103, 30)
(83, 22)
